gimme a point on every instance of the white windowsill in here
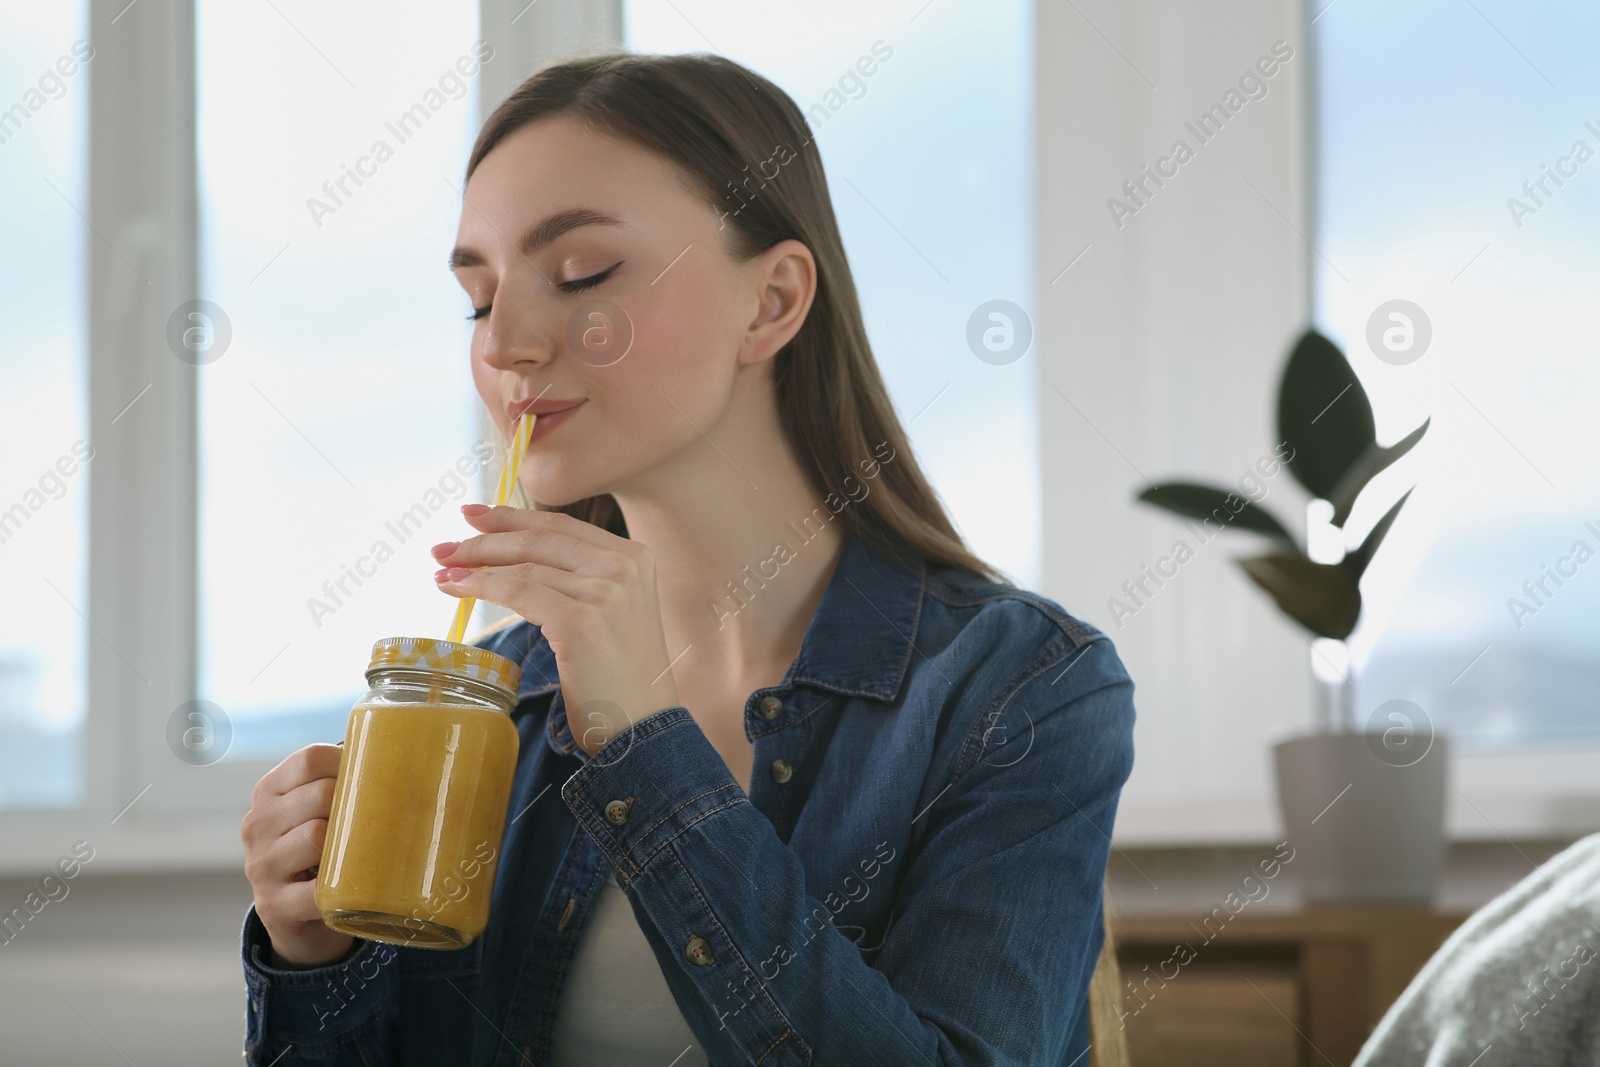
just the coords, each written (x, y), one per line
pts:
(1518, 796)
(33, 847)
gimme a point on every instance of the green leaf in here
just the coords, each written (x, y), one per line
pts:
(1323, 413)
(1207, 502)
(1356, 562)
(1323, 598)
(1375, 459)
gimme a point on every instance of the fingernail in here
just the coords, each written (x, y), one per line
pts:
(474, 509)
(451, 574)
(444, 549)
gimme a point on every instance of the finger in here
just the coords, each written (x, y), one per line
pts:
(287, 858)
(271, 819)
(299, 767)
(297, 902)
(531, 590)
(499, 519)
(466, 581)
(553, 548)
(297, 851)
(312, 800)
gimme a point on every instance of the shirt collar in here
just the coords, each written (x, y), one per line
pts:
(864, 631)
(859, 642)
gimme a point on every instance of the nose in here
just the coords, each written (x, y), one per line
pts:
(519, 333)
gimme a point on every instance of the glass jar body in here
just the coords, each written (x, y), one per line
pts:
(419, 808)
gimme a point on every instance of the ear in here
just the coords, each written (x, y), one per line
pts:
(785, 279)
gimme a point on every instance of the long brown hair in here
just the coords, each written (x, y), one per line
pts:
(718, 122)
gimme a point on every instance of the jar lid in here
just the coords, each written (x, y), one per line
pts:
(429, 653)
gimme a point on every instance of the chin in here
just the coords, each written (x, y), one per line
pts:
(551, 498)
(557, 489)
(558, 479)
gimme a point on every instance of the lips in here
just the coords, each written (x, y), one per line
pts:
(541, 407)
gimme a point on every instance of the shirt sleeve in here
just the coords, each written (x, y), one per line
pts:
(339, 1014)
(996, 924)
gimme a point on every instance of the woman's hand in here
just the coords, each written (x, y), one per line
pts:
(283, 834)
(593, 596)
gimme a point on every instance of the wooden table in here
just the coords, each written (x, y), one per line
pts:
(1267, 988)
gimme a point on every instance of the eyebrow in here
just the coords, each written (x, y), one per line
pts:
(539, 235)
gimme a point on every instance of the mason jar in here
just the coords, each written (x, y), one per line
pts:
(419, 807)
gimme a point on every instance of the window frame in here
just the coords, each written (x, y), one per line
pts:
(1168, 371)
(143, 567)
(142, 807)
(1527, 792)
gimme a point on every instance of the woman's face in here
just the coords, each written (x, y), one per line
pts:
(600, 283)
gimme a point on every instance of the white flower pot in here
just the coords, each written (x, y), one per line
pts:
(1365, 814)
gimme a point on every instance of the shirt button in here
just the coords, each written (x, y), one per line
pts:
(617, 811)
(771, 707)
(782, 771)
(699, 950)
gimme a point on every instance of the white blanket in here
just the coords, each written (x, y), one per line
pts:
(1517, 985)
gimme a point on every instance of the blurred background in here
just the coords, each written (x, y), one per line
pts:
(225, 382)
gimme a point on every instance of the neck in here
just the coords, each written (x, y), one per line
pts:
(739, 573)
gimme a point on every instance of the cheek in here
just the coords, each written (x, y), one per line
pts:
(689, 302)
(676, 381)
(684, 345)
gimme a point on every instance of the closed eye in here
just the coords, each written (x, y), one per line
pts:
(577, 285)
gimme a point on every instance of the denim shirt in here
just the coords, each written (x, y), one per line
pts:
(914, 877)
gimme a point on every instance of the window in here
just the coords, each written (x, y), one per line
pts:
(923, 116)
(44, 434)
(249, 319)
(1457, 172)
(332, 421)
(338, 421)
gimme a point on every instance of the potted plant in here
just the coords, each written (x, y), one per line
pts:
(1364, 807)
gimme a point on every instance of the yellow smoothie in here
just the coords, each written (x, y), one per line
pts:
(414, 835)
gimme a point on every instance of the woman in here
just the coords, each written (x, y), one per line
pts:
(866, 787)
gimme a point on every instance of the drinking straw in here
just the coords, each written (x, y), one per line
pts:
(508, 479)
